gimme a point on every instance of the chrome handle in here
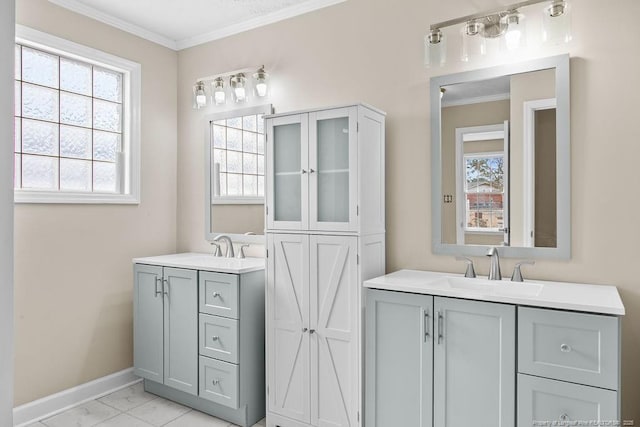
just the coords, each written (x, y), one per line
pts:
(158, 292)
(426, 326)
(311, 171)
(564, 417)
(565, 348)
(312, 331)
(470, 272)
(215, 338)
(165, 290)
(303, 172)
(304, 330)
(440, 322)
(216, 382)
(216, 294)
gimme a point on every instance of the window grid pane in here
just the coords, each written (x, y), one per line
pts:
(484, 192)
(68, 123)
(238, 155)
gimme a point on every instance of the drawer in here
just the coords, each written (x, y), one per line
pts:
(575, 347)
(219, 294)
(545, 401)
(219, 338)
(219, 382)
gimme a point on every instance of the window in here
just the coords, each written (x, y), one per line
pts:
(237, 156)
(484, 192)
(76, 123)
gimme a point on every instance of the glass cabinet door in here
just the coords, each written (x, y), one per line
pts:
(333, 169)
(287, 154)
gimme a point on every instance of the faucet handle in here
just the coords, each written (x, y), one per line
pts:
(517, 272)
(217, 251)
(241, 251)
(471, 272)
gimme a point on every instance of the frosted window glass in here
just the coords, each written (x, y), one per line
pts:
(17, 135)
(234, 184)
(75, 175)
(75, 109)
(260, 165)
(219, 137)
(234, 162)
(222, 122)
(287, 193)
(249, 142)
(260, 123)
(250, 163)
(288, 179)
(235, 122)
(39, 67)
(75, 77)
(107, 85)
(333, 197)
(106, 145)
(17, 99)
(104, 177)
(333, 144)
(75, 142)
(39, 172)
(106, 116)
(249, 123)
(261, 186)
(234, 139)
(250, 184)
(287, 148)
(39, 103)
(260, 144)
(17, 171)
(39, 137)
(220, 157)
(18, 63)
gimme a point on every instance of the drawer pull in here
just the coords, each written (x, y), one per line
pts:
(216, 382)
(565, 348)
(216, 294)
(564, 417)
(312, 331)
(215, 338)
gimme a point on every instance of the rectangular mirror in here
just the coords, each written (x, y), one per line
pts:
(234, 174)
(501, 160)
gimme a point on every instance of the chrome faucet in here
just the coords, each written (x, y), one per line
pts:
(226, 239)
(494, 271)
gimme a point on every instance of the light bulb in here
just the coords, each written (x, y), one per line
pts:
(219, 96)
(514, 31)
(199, 96)
(237, 83)
(261, 89)
(240, 94)
(261, 82)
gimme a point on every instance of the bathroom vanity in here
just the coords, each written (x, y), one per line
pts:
(199, 332)
(447, 351)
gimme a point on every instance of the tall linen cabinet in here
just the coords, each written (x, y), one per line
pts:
(325, 219)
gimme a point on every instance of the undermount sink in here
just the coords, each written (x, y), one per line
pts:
(492, 287)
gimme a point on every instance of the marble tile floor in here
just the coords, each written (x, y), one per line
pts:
(133, 407)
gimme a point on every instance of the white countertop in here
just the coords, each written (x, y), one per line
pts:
(207, 262)
(567, 296)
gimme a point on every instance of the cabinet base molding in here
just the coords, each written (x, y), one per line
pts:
(274, 420)
(59, 402)
(237, 416)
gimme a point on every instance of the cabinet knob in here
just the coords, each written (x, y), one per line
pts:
(311, 171)
(215, 338)
(304, 330)
(216, 382)
(312, 331)
(565, 348)
(564, 417)
(216, 294)
(303, 171)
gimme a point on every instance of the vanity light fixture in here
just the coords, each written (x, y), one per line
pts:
(232, 84)
(505, 23)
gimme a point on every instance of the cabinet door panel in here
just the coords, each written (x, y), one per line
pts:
(287, 172)
(333, 315)
(333, 167)
(474, 364)
(548, 401)
(399, 359)
(147, 322)
(181, 329)
(288, 316)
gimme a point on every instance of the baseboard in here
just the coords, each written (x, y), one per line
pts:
(59, 402)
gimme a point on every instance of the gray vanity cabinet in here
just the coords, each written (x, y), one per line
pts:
(436, 361)
(166, 326)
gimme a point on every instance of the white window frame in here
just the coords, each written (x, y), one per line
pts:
(480, 230)
(129, 166)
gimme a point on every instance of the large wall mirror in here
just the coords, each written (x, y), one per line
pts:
(234, 187)
(501, 160)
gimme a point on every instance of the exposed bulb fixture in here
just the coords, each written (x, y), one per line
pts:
(557, 9)
(435, 48)
(238, 83)
(219, 95)
(514, 30)
(199, 95)
(556, 23)
(261, 85)
(472, 28)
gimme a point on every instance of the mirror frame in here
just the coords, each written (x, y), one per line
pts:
(563, 158)
(209, 234)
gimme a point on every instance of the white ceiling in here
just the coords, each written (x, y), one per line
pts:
(179, 24)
